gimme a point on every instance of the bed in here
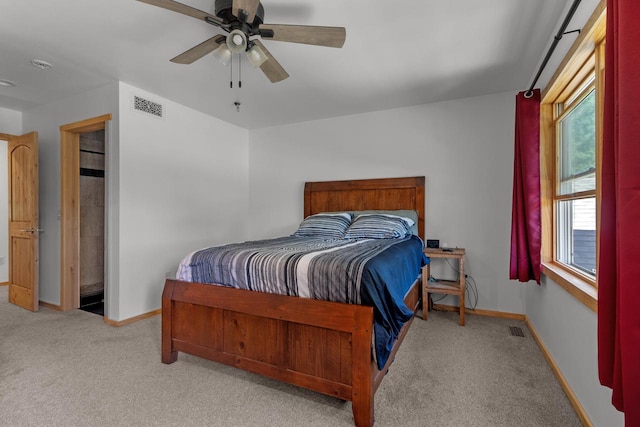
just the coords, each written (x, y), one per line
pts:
(320, 345)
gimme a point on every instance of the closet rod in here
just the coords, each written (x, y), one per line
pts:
(556, 39)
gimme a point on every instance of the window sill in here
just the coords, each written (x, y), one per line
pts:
(578, 288)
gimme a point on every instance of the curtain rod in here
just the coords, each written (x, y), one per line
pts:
(556, 39)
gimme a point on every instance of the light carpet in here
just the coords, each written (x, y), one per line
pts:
(70, 369)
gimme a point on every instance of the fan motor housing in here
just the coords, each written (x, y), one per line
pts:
(224, 11)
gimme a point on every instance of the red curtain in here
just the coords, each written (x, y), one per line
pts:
(619, 255)
(526, 225)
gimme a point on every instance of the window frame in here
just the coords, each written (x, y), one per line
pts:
(586, 56)
(563, 106)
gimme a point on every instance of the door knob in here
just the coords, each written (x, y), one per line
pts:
(32, 230)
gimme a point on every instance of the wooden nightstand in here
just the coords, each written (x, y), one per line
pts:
(451, 287)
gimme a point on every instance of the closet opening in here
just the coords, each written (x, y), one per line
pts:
(84, 173)
(92, 213)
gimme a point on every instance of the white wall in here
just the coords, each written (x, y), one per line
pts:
(569, 331)
(464, 148)
(183, 185)
(10, 123)
(173, 185)
(46, 120)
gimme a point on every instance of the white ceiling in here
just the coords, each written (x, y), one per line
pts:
(397, 53)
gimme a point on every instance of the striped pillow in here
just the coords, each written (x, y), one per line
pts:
(330, 226)
(379, 226)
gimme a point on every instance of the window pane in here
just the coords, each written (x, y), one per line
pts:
(576, 234)
(577, 155)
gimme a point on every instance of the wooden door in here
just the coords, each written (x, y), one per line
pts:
(23, 220)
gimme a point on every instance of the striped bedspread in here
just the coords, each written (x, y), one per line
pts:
(329, 270)
(375, 272)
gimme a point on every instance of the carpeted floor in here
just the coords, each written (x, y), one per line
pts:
(70, 369)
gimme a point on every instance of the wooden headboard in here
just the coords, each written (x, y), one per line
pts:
(366, 194)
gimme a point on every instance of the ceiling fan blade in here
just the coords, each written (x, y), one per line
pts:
(249, 6)
(184, 9)
(199, 51)
(271, 68)
(305, 34)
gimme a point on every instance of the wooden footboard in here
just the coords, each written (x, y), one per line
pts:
(319, 345)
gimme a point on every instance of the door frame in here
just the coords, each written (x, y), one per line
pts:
(5, 137)
(70, 207)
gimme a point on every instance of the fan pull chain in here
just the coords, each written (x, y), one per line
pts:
(237, 103)
(239, 72)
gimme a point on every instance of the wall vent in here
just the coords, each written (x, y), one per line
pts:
(147, 106)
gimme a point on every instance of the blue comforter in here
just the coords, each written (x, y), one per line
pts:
(385, 281)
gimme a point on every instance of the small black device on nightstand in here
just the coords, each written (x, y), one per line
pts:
(433, 243)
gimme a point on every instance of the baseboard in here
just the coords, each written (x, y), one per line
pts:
(131, 319)
(50, 306)
(573, 399)
(106, 319)
(4, 283)
(480, 312)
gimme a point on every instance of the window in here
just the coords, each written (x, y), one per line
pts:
(575, 186)
(570, 136)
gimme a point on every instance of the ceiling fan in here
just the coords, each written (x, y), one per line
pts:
(243, 21)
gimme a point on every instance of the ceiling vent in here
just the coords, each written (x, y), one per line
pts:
(147, 106)
(39, 63)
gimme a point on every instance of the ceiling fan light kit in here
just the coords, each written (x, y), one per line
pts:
(237, 41)
(243, 19)
(223, 54)
(256, 56)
